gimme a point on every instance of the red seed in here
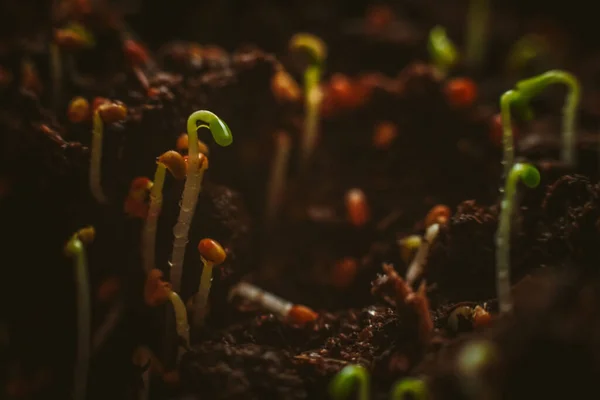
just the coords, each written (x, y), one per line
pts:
(343, 272)
(461, 92)
(357, 207)
(437, 215)
(300, 315)
(212, 251)
(135, 52)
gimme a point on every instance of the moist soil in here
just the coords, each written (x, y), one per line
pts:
(441, 154)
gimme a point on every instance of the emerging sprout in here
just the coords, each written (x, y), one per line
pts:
(439, 214)
(106, 113)
(417, 267)
(442, 51)
(531, 178)
(78, 110)
(181, 323)
(313, 52)
(531, 87)
(172, 161)
(461, 92)
(279, 169)
(357, 207)
(193, 184)
(293, 313)
(343, 383)
(409, 246)
(75, 249)
(410, 388)
(211, 254)
(477, 29)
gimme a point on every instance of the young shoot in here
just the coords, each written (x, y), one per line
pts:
(342, 385)
(531, 87)
(293, 313)
(193, 184)
(410, 388)
(312, 51)
(417, 266)
(477, 29)
(106, 113)
(279, 168)
(442, 51)
(506, 100)
(182, 326)
(531, 178)
(75, 249)
(173, 162)
(211, 254)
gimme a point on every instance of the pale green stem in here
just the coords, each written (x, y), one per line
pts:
(96, 159)
(503, 240)
(507, 134)
(312, 100)
(149, 233)
(181, 322)
(477, 32)
(76, 250)
(201, 298)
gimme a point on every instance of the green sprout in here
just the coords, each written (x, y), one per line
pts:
(525, 50)
(506, 100)
(410, 388)
(75, 249)
(343, 383)
(172, 161)
(313, 52)
(182, 326)
(531, 87)
(193, 184)
(477, 26)
(211, 254)
(442, 51)
(105, 113)
(531, 178)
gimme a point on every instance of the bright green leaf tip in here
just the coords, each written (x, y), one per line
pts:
(74, 246)
(219, 129)
(528, 174)
(413, 387)
(441, 49)
(343, 383)
(313, 45)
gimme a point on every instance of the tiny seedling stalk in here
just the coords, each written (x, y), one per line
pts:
(531, 177)
(201, 298)
(507, 133)
(477, 32)
(96, 159)
(313, 97)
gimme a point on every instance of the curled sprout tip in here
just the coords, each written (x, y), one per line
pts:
(174, 163)
(342, 385)
(413, 387)
(312, 45)
(441, 49)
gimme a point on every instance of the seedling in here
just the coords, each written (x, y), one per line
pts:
(135, 203)
(222, 135)
(106, 113)
(313, 52)
(211, 254)
(78, 110)
(442, 51)
(172, 161)
(410, 388)
(531, 87)
(277, 180)
(357, 207)
(409, 246)
(477, 29)
(342, 385)
(75, 249)
(182, 326)
(293, 313)
(531, 178)
(526, 50)
(417, 266)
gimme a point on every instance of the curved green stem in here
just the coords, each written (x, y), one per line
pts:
(532, 86)
(312, 103)
(181, 322)
(477, 27)
(342, 384)
(531, 177)
(96, 159)
(413, 387)
(222, 135)
(201, 298)
(149, 233)
(507, 134)
(75, 249)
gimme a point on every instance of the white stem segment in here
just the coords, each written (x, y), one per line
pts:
(266, 300)
(201, 298)
(181, 322)
(193, 186)
(149, 232)
(96, 159)
(417, 266)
